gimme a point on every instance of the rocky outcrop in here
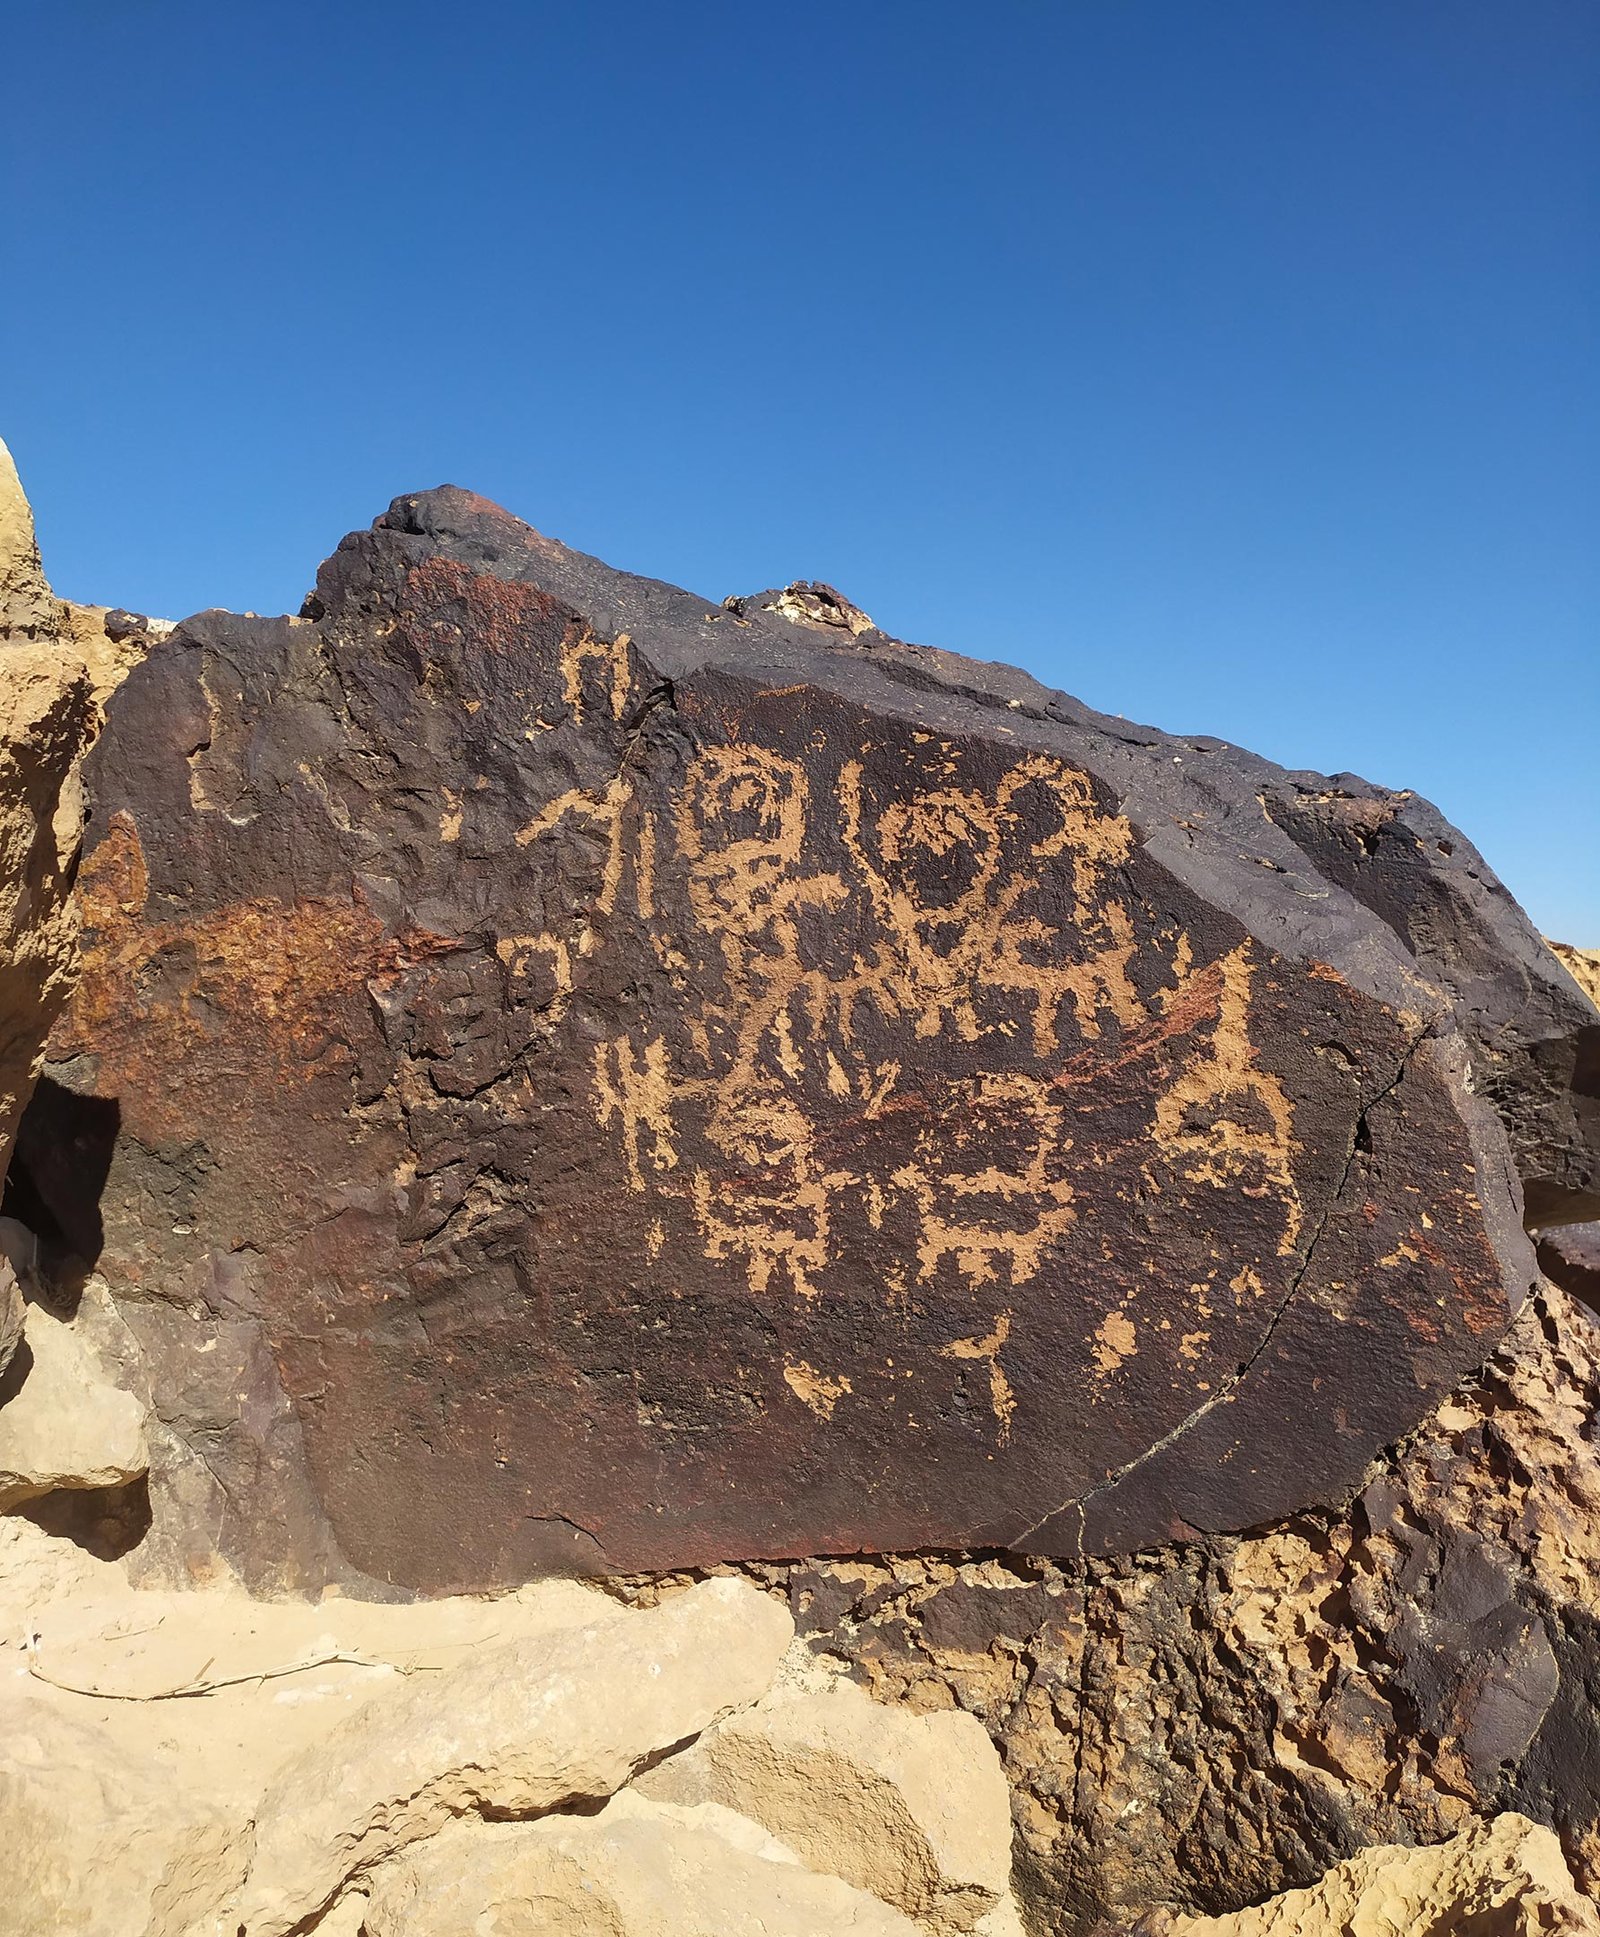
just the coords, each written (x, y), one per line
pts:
(1534, 1034)
(178, 1763)
(61, 1423)
(1582, 964)
(47, 715)
(1208, 1725)
(638, 1869)
(568, 1078)
(12, 1315)
(1506, 1878)
(733, 1084)
(514, 1733)
(911, 1808)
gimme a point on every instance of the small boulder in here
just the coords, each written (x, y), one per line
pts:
(637, 1869)
(11, 1311)
(61, 1424)
(518, 1731)
(1569, 1256)
(1505, 1878)
(913, 1808)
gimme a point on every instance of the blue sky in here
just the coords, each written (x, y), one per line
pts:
(1232, 365)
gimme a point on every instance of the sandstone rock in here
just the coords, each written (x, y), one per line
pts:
(103, 1843)
(1583, 965)
(61, 1424)
(46, 718)
(1505, 1878)
(913, 1808)
(28, 609)
(733, 1086)
(11, 1316)
(519, 1731)
(1210, 1725)
(638, 1869)
(172, 1763)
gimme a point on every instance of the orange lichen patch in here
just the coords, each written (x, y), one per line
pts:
(495, 613)
(115, 883)
(283, 973)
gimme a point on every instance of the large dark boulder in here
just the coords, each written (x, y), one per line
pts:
(1534, 1032)
(642, 1083)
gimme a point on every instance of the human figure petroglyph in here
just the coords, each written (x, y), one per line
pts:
(966, 911)
(951, 906)
(1224, 1120)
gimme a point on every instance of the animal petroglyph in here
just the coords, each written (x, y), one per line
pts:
(971, 912)
(736, 1086)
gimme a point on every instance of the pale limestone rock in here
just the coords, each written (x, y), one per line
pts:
(47, 718)
(347, 1918)
(11, 1318)
(1505, 1878)
(637, 1869)
(1583, 965)
(914, 1808)
(27, 607)
(1005, 1920)
(521, 1730)
(61, 1424)
(100, 1842)
(58, 666)
(134, 1808)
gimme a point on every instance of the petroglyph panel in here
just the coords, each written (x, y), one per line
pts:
(705, 1112)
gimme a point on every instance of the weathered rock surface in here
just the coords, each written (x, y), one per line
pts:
(647, 1083)
(12, 1315)
(175, 1759)
(1534, 1033)
(1570, 1257)
(61, 1423)
(1506, 1878)
(175, 1764)
(638, 1869)
(1210, 1725)
(46, 719)
(140, 1731)
(516, 1733)
(913, 1808)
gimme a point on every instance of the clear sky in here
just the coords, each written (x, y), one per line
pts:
(1231, 363)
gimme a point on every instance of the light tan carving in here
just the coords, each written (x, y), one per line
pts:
(1225, 1121)
(955, 912)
